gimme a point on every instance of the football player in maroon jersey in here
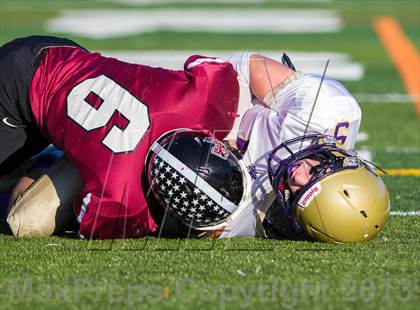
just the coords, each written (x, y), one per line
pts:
(104, 114)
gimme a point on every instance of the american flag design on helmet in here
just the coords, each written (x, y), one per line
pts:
(185, 194)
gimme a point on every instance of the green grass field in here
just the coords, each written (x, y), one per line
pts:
(240, 273)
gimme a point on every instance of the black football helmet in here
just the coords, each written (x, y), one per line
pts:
(197, 178)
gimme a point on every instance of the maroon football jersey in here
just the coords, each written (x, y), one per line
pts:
(105, 114)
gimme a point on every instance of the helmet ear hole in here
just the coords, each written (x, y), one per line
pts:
(363, 213)
(377, 226)
(346, 193)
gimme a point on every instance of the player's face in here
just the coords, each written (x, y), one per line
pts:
(300, 173)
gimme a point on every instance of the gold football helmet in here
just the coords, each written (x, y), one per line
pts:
(344, 200)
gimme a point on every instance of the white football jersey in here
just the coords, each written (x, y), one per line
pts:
(297, 110)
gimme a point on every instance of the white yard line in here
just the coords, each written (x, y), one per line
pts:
(151, 2)
(384, 98)
(341, 67)
(402, 150)
(367, 152)
(362, 136)
(405, 213)
(391, 149)
(99, 24)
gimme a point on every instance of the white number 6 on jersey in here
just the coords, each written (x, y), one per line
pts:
(115, 98)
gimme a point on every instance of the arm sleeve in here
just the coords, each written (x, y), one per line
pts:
(240, 62)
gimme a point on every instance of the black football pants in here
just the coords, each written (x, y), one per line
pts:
(19, 136)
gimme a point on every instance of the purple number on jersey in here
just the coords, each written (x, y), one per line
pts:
(338, 134)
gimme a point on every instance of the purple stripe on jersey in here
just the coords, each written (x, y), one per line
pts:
(241, 145)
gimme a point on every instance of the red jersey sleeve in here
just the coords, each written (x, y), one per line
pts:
(214, 81)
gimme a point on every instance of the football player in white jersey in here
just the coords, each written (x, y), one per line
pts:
(279, 104)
